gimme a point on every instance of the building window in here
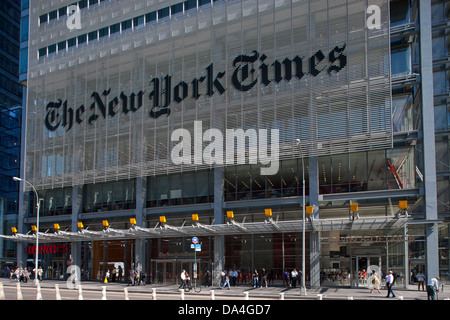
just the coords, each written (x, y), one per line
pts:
(82, 4)
(400, 11)
(71, 42)
(163, 13)
(178, 189)
(43, 18)
(42, 52)
(92, 36)
(53, 15)
(402, 113)
(62, 11)
(190, 4)
(56, 202)
(110, 196)
(176, 8)
(203, 2)
(82, 39)
(401, 60)
(149, 17)
(52, 48)
(127, 24)
(115, 28)
(103, 32)
(138, 21)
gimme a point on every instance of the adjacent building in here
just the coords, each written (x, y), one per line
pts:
(10, 124)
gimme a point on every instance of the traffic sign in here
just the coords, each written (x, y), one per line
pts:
(194, 240)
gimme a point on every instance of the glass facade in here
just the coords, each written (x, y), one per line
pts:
(104, 102)
(10, 123)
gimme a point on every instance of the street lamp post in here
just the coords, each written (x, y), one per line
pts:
(303, 287)
(36, 281)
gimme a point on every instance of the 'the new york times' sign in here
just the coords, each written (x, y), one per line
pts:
(59, 113)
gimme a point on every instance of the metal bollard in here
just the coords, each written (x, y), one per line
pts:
(246, 295)
(80, 293)
(154, 293)
(38, 292)
(104, 293)
(58, 294)
(320, 297)
(211, 293)
(19, 292)
(281, 295)
(125, 292)
(2, 292)
(182, 294)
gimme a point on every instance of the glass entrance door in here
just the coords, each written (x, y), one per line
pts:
(57, 269)
(169, 271)
(362, 269)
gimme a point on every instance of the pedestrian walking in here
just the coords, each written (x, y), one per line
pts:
(207, 278)
(263, 277)
(286, 278)
(432, 288)
(226, 281)
(255, 279)
(183, 280)
(375, 282)
(235, 277)
(389, 284)
(294, 275)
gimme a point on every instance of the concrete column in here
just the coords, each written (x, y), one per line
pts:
(219, 241)
(77, 198)
(22, 205)
(429, 151)
(139, 248)
(314, 239)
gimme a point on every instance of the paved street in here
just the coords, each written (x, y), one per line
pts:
(91, 290)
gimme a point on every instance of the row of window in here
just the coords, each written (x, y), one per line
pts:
(355, 172)
(61, 12)
(119, 27)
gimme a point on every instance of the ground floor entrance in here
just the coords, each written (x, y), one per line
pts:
(168, 271)
(362, 269)
(345, 260)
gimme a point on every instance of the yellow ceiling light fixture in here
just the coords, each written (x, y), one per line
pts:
(162, 219)
(14, 229)
(34, 228)
(309, 209)
(268, 212)
(56, 226)
(133, 221)
(80, 225)
(403, 204)
(195, 217)
(230, 214)
(105, 223)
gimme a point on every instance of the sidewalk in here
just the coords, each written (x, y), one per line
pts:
(239, 292)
